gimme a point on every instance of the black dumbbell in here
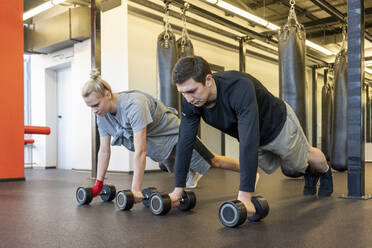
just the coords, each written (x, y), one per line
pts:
(84, 194)
(125, 198)
(160, 203)
(234, 213)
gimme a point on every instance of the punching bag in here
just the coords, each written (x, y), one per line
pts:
(339, 130)
(292, 74)
(326, 120)
(166, 59)
(184, 47)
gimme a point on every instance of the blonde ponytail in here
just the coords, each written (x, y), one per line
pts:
(95, 84)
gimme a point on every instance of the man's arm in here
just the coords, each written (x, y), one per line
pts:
(186, 138)
(249, 134)
(139, 140)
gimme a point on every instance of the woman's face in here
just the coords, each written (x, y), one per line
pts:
(100, 105)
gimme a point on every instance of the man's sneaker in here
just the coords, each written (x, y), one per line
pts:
(326, 184)
(311, 180)
(193, 179)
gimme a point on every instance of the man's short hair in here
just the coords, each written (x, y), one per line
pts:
(194, 67)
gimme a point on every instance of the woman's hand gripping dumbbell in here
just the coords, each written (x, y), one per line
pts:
(84, 194)
(125, 199)
(161, 203)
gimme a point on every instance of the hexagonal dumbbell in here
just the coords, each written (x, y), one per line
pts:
(160, 203)
(84, 194)
(125, 198)
(234, 213)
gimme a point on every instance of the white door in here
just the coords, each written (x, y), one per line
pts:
(63, 75)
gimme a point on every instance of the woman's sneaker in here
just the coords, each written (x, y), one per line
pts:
(193, 179)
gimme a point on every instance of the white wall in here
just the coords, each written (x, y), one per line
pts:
(43, 90)
(114, 64)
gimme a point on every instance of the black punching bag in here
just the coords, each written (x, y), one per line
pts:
(166, 59)
(339, 130)
(292, 71)
(184, 47)
(326, 120)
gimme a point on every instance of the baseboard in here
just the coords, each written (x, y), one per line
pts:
(116, 172)
(12, 179)
(41, 167)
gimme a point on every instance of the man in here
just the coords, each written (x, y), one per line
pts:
(268, 130)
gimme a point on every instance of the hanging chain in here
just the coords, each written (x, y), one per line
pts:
(167, 26)
(343, 32)
(292, 8)
(344, 35)
(184, 29)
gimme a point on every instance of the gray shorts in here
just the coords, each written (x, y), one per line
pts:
(197, 163)
(289, 149)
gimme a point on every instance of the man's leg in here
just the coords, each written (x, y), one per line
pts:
(224, 162)
(214, 160)
(302, 157)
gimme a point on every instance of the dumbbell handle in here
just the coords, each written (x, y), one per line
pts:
(103, 193)
(146, 197)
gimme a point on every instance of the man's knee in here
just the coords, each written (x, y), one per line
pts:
(317, 159)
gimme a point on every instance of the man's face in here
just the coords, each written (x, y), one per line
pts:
(194, 92)
(100, 105)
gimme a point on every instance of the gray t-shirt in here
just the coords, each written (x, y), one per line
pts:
(135, 111)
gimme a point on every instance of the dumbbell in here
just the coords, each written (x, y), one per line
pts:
(84, 194)
(234, 213)
(125, 198)
(160, 203)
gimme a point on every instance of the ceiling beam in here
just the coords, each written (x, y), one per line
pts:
(332, 11)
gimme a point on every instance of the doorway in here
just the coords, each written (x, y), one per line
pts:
(62, 79)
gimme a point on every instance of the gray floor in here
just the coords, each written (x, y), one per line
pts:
(43, 212)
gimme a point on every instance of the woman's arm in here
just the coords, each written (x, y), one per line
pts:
(103, 157)
(139, 140)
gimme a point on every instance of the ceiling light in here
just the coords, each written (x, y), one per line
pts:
(244, 13)
(262, 22)
(319, 48)
(41, 8)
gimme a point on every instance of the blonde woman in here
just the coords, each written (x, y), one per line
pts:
(145, 126)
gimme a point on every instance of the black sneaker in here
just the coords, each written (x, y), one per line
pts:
(311, 180)
(326, 184)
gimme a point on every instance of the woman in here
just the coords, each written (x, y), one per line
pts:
(145, 126)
